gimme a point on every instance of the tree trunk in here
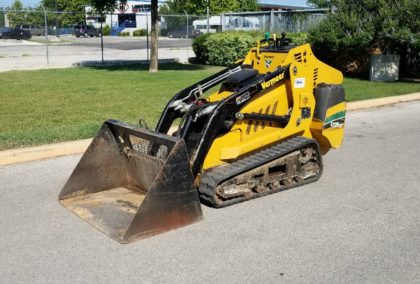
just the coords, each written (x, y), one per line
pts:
(153, 67)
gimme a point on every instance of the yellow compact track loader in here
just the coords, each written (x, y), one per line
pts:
(257, 127)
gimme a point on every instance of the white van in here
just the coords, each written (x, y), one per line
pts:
(33, 29)
(215, 25)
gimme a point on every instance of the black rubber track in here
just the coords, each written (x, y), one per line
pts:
(211, 179)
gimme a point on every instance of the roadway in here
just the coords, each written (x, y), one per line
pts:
(129, 43)
(114, 42)
(69, 51)
(358, 223)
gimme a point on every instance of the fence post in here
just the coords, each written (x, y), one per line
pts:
(223, 18)
(265, 23)
(56, 20)
(271, 21)
(46, 33)
(6, 19)
(102, 38)
(208, 19)
(147, 35)
(187, 32)
(111, 26)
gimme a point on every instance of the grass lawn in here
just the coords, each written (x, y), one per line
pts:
(357, 89)
(45, 106)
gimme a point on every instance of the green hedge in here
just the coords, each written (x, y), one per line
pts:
(225, 48)
(106, 30)
(140, 32)
(222, 48)
(341, 43)
(200, 47)
(124, 34)
(163, 32)
(347, 37)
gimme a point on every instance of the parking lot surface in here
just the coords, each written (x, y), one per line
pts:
(67, 51)
(358, 223)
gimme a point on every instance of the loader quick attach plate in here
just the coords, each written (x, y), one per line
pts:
(133, 183)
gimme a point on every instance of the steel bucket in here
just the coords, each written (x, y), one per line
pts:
(132, 183)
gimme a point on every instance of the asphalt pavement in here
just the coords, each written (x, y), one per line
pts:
(68, 51)
(128, 43)
(358, 224)
(114, 42)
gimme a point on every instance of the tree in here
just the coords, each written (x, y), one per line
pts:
(74, 11)
(2, 18)
(70, 18)
(199, 7)
(246, 5)
(16, 15)
(153, 67)
(355, 29)
(19, 16)
(322, 3)
(109, 5)
(105, 5)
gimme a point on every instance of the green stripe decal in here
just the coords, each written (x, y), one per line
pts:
(338, 115)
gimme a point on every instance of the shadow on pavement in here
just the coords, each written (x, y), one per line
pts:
(138, 65)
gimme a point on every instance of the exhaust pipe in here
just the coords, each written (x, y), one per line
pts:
(132, 183)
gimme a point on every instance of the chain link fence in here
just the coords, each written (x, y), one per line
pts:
(274, 21)
(37, 38)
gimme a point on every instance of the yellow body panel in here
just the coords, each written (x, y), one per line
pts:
(331, 137)
(218, 96)
(287, 97)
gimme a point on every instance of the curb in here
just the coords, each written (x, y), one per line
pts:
(15, 156)
(382, 101)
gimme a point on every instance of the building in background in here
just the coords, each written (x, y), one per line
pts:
(133, 15)
(126, 17)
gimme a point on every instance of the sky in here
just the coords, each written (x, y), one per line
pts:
(6, 3)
